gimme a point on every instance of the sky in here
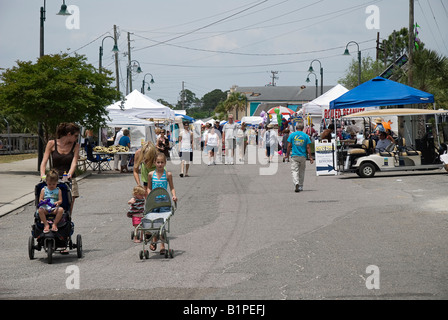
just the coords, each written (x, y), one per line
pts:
(213, 44)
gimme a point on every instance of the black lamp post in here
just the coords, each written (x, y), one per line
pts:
(143, 83)
(347, 53)
(137, 68)
(310, 69)
(114, 49)
(62, 12)
(308, 80)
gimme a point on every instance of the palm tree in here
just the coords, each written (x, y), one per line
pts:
(236, 101)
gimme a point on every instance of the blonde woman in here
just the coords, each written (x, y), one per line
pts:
(144, 163)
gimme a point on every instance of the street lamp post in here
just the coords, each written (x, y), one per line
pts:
(137, 68)
(308, 80)
(62, 12)
(114, 49)
(347, 53)
(143, 84)
(310, 69)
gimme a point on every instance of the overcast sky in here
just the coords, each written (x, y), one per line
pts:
(214, 44)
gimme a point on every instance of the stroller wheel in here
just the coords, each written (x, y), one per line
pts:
(146, 254)
(31, 247)
(171, 253)
(79, 245)
(132, 235)
(141, 255)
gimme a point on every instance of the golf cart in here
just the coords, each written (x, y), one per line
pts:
(365, 160)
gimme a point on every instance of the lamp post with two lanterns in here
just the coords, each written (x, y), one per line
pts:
(143, 83)
(310, 69)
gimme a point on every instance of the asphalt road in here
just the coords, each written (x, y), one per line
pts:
(241, 235)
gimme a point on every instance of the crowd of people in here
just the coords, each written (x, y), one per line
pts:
(290, 139)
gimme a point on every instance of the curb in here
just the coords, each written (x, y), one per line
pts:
(27, 198)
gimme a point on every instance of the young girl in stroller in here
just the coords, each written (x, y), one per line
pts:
(136, 209)
(160, 178)
(50, 201)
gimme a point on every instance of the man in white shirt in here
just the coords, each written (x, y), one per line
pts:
(228, 139)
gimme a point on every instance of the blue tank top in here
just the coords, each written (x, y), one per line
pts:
(159, 183)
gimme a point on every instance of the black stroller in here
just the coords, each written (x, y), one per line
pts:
(54, 240)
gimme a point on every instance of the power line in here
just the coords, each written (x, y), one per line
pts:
(206, 26)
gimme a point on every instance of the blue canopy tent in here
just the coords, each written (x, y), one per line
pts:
(381, 92)
(185, 117)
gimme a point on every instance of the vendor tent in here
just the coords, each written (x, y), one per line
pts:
(381, 92)
(316, 106)
(142, 106)
(253, 120)
(139, 128)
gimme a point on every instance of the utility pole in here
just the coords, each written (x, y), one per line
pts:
(128, 68)
(274, 77)
(411, 42)
(116, 60)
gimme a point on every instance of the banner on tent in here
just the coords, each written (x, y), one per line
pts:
(338, 113)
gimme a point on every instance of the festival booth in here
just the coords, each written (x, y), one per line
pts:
(252, 121)
(141, 106)
(376, 92)
(140, 129)
(318, 108)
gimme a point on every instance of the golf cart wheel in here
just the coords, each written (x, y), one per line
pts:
(367, 170)
(79, 246)
(31, 247)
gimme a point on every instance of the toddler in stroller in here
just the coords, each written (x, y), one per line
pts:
(50, 200)
(137, 206)
(58, 237)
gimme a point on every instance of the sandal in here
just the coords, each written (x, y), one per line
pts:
(181, 175)
(162, 251)
(153, 246)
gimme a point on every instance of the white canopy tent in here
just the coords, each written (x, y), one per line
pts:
(253, 120)
(139, 128)
(142, 106)
(316, 106)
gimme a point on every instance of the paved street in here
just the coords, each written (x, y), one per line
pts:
(241, 235)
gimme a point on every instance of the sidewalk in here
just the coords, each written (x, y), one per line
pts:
(17, 181)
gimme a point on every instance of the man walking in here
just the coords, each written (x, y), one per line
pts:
(228, 139)
(299, 143)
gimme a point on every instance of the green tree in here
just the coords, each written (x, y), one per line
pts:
(236, 101)
(57, 88)
(211, 100)
(190, 100)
